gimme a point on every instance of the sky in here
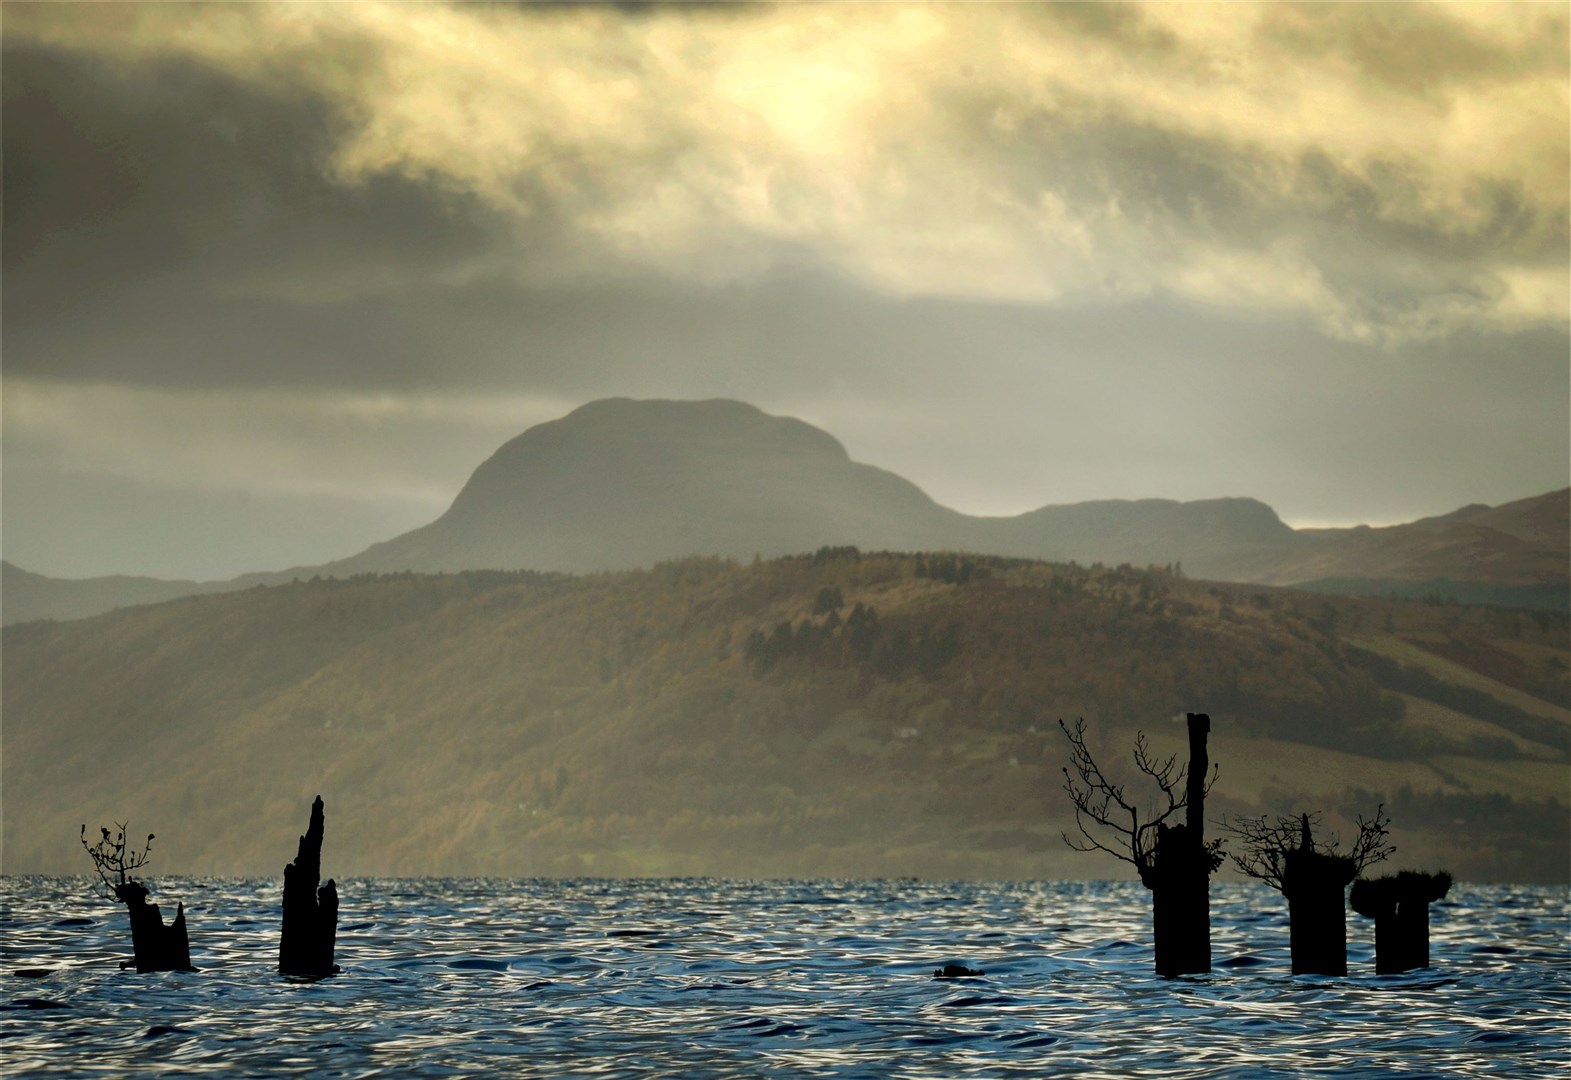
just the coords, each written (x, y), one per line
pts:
(278, 277)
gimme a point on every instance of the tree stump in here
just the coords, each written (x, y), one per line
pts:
(1179, 875)
(1399, 904)
(310, 922)
(1314, 884)
(1179, 880)
(157, 947)
(1174, 862)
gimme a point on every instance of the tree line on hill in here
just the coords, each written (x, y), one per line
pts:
(711, 716)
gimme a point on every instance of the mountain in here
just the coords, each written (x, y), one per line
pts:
(829, 714)
(25, 596)
(1209, 536)
(1521, 546)
(620, 484)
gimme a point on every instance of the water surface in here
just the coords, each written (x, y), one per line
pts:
(788, 978)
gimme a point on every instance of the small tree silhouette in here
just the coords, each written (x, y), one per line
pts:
(1174, 861)
(113, 859)
(1267, 843)
(1313, 875)
(157, 947)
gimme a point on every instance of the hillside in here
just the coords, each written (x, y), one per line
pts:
(835, 714)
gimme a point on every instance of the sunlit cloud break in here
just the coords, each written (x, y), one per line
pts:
(1393, 173)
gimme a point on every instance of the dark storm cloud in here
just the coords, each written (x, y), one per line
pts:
(147, 241)
(153, 246)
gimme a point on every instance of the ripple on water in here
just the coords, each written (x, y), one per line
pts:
(693, 978)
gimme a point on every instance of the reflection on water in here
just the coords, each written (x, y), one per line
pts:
(692, 978)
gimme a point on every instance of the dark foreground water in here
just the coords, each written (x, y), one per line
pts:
(700, 978)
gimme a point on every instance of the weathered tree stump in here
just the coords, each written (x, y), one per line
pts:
(157, 947)
(310, 922)
(1179, 880)
(1179, 875)
(1314, 883)
(957, 971)
(1174, 862)
(1314, 878)
(1399, 904)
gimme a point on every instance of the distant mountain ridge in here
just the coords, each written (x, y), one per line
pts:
(621, 484)
(25, 596)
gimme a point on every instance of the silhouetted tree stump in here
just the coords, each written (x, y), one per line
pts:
(1399, 904)
(1314, 879)
(957, 971)
(157, 947)
(310, 924)
(1174, 862)
(1180, 884)
(1314, 884)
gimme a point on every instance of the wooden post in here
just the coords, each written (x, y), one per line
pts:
(156, 947)
(310, 922)
(1180, 875)
(1400, 907)
(1314, 885)
(1199, 766)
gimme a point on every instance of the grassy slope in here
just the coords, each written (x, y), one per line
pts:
(504, 724)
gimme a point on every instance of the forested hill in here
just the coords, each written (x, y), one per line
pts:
(833, 714)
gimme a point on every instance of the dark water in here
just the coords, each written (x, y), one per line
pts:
(702, 978)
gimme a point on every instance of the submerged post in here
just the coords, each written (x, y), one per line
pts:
(1313, 876)
(155, 947)
(1399, 904)
(1313, 882)
(1180, 873)
(310, 923)
(1174, 861)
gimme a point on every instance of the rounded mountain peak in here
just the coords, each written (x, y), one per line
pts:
(628, 450)
(660, 422)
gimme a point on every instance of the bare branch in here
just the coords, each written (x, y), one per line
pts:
(1266, 843)
(1265, 846)
(1216, 770)
(112, 856)
(1372, 845)
(1162, 772)
(1108, 821)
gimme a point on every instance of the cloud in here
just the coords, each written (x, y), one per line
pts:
(1392, 173)
(410, 449)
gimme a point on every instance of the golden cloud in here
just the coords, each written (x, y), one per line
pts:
(955, 150)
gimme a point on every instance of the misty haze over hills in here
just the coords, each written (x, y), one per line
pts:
(622, 484)
(558, 676)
